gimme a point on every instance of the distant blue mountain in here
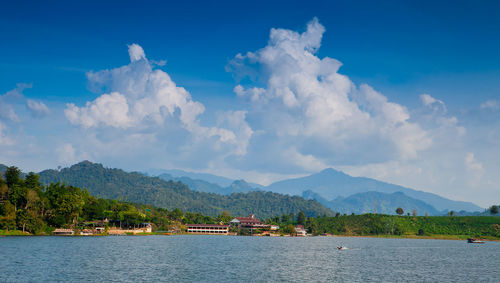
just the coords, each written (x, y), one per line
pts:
(210, 178)
(238, 186)
(375, 202)
(330, 184)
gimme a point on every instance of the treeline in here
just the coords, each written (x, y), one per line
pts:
(380, 224)
(135, 187)
(28, 206)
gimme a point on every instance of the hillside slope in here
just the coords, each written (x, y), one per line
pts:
(330, 184)
(135, 187)
(368, 201)
(238, 186)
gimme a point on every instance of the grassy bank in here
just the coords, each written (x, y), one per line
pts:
(432, 227)
(13, 233)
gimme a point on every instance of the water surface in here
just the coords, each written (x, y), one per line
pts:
(245, 259)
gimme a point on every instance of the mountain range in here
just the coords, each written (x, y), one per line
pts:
(330, 184)
(209, 194)
(203, 185)
(136, 187)
(337, 191)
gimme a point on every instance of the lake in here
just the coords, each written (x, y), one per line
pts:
(245, 259)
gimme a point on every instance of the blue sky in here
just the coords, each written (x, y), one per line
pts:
(421, 109)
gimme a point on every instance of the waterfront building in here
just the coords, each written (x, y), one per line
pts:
(63, 232)
(212, 229)
(142, 228)
(300, 231)
(250, 222)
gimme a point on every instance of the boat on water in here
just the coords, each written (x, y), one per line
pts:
(475, 241)
(340, 248)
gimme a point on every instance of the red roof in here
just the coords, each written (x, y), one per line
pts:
(250, 219)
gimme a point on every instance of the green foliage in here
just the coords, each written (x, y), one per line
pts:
(494, 209)
(301, 218)
(135, 187)
(312, 226)
(399, 211)
(378, 224)
(289, 229)
(58, 205)
(13, 176)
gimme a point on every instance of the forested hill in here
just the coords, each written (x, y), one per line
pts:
(135, 187)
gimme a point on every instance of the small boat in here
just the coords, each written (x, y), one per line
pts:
(340, 248)
(475, 241)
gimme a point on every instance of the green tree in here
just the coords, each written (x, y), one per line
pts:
(13, 176)
(400, 211)
(28, 221)
(66, 202)
(4, 191)
(16, 187)
(301, 218)
(177, 214)
(285, 218)
(32, 182)
(225, 217)
(7, 216)
(312, 225)
(289, 229)
(494, 209)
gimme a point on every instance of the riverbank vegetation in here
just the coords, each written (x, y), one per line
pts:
(26, 206)
(391, 225)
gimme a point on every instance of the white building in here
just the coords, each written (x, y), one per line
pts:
(211, 229)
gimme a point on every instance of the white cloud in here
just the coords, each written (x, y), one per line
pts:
(432, 103)
(37, 108)
(304, 98)
(108, 109)
(66, 154)
(472, 164)
(490, 104)
(4, 139)
(295, 115)
(7, 100)
(136, 53)
(141, 99)
(139, 94)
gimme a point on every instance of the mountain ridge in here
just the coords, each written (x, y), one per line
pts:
(330, 184)
(375, 202)
(136, 187)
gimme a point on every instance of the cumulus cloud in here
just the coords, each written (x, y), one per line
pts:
(303, 97)
(108, 109)
(140, 96)
(37, 108)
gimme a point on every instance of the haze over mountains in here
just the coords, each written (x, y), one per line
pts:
(340, 192)
(209, 194)
(331, 184)
(136, 187)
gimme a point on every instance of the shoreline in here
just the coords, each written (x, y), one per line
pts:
(415, 237)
